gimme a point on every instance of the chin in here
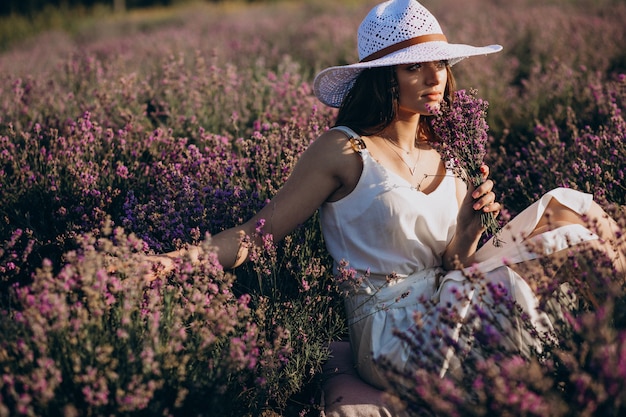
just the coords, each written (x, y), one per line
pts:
(429, 108)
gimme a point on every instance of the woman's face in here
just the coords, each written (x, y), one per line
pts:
(421, 85)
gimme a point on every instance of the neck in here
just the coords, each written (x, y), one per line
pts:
(403, 133)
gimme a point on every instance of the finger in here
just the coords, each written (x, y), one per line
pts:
(484, 169)
(483, 189)
(150, 277)
(484, 201)
(154, 270)
(494, 207)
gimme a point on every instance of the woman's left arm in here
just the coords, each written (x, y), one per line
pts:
(469, 228)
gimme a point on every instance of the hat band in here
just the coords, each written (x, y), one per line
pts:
(433, 37)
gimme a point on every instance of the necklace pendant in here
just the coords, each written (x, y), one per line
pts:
(391, 145)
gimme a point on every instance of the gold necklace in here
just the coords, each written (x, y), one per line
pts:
(411, 170)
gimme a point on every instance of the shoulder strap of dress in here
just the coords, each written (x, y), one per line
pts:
(355, 140)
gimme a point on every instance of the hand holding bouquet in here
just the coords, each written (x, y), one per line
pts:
(462, 132)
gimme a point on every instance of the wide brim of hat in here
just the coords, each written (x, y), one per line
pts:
(332, 84)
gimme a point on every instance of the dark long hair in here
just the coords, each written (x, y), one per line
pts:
(372, 102)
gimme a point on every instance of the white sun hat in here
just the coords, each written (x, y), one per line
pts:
(394, 32)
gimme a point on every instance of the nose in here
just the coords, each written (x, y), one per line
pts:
(433, 75)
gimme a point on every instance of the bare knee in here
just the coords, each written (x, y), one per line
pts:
(557, 215)
(346, 394)
(611, 240)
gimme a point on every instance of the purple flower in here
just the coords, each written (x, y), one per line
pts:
(462, 131)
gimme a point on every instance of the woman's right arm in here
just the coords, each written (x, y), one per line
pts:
(320, 172)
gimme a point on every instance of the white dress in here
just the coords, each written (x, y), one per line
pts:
(386, 226)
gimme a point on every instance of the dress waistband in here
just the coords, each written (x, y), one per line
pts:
(380, 292)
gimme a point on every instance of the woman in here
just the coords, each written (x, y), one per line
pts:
(389, 206)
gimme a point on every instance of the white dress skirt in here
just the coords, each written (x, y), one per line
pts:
(393, 237)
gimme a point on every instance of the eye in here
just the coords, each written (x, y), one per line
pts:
(419, 66)
(415, 67)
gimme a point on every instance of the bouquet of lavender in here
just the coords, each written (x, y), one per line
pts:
(462, 131)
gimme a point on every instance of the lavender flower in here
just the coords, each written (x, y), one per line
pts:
(194, 136)
(462, 130)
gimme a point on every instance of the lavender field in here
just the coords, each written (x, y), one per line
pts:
(139, 133)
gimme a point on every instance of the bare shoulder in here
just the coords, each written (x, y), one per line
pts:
(335, 142)
(330, 148)
(324, 172)
(335, 154)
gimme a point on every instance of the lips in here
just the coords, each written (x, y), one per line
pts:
(433, 96)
